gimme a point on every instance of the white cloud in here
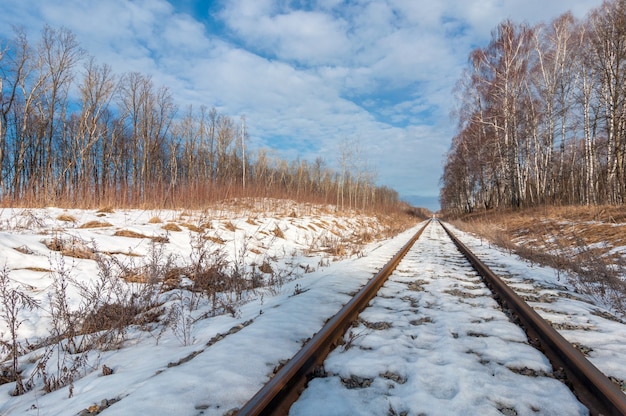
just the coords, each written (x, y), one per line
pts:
(304, 37)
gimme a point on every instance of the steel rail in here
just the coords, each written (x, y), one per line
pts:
(277, 396)
(590, 385)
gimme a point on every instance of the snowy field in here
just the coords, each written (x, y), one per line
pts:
(212, 354)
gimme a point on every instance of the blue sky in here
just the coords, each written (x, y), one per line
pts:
(309, 75)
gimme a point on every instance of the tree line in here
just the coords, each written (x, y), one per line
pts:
(74, 132)
(542, 116)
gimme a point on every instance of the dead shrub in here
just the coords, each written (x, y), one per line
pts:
(134, 276)
(209, 279)
(338, 250)
(27, 220)
(155, 220)
(265, 267)
(172, 278)
(7, 376)
(109, 316)
(364, 237)
(14, 298)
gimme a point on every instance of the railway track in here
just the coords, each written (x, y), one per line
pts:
(307, 369)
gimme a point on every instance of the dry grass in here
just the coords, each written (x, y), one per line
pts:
(265, 267)
(230, 226)
(107, 316)
(155, 220)
(170, 226)
(129, 233)
(23, 249)
(66, 218)
(123, 253)
(214, 239)
(70, 248)
(208, 225)
(278, 232)
(580, 241)
(135, 276)
(554, 227)
(193, 228)
(37, 269)
(135, 234)
(96, 224)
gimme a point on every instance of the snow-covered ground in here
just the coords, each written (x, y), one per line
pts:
(211, 365)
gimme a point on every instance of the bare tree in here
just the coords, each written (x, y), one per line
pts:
(59, 53)
(608, 45)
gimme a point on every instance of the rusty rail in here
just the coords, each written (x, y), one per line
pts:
(277, 396)
(591, 386)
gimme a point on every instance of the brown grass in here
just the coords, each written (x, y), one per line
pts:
(170, 226)
(66, 218)
(107, 316)
(129, 233)
(96, 224)
(134, 234)
(566, 227)
(37, 269)
(70, 248)
(134, 276)
(230, 226)
(193, 227)
(216, 240)
(278, 232)
(572, 239)
(155, 220)
(124, 253)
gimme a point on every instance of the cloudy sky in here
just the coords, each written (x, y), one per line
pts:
(309, 75)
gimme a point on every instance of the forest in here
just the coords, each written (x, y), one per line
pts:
(73, 132)
(541, 115)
